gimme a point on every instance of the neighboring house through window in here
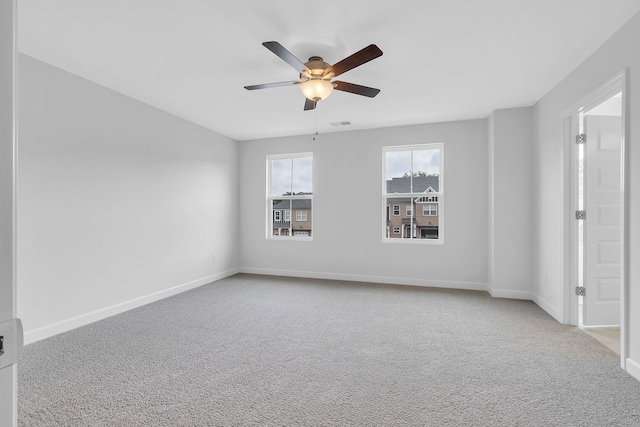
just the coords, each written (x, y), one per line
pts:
(413, 183)
(290, 188)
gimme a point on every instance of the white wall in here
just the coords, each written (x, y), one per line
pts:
(618, 53)
(510, 202)
(119, 203)
(348, 212)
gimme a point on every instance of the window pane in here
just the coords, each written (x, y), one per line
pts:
(398, 165)
(414, 171)
(302, 175)
(280, 177)
(302, 217)
(281, 220)
(399, 223)
(290, 195)
(426, 162)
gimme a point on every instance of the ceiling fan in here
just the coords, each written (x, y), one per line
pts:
(315, 75)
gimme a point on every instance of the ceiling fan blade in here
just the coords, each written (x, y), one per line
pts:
(309, 104)
(357, 89)
(268, 85)
(286, 56)
(361, 57)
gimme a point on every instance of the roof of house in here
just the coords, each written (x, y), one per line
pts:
(297, 204)
(420, 184)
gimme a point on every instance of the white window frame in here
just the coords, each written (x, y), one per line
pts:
(287, 215)
(388, 197)
(394, 210)
(269, 228)
(301, 216)
(396, 230)
(409, 209)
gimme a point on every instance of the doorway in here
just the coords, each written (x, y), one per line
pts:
(598, 215)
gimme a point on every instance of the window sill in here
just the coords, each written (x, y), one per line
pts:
(291, 238)
(428, 242)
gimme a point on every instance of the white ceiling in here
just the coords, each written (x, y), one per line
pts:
(443, 60)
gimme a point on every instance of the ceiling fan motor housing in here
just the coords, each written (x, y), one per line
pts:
(317, 67)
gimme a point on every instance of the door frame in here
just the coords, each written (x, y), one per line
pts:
(8, 191)
(618, 83)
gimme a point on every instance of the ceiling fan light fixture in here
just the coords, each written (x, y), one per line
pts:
(316, 89)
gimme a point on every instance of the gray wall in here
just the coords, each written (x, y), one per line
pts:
(348, 214)
(511, 202)
(119, 203)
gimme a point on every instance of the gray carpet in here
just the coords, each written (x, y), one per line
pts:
(254, 350)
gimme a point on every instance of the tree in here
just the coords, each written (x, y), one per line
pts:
(418, 173)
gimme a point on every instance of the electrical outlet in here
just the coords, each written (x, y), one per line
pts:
(361, 256)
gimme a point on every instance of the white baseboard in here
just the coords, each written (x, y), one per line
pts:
(510, 294)
(87, 318)
(550, 309)
(471, 286)
(633, 368)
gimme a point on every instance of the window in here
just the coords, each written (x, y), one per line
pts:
(429, 209)
(413, 177)
(289, 188)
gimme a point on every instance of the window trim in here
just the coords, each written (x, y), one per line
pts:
(412, 196)
(270, 198)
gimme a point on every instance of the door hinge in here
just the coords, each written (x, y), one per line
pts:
(581, 291)
(581, 215)
(11, 342)
(581, 138)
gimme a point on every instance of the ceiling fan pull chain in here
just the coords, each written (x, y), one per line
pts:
(315, 124)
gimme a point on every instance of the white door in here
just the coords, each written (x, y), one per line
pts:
(8, 374)
(602, 248)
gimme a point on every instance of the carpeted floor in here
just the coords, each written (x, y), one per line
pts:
(255, 350)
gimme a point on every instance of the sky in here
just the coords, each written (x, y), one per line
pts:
(281, 174)
(399, 162)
